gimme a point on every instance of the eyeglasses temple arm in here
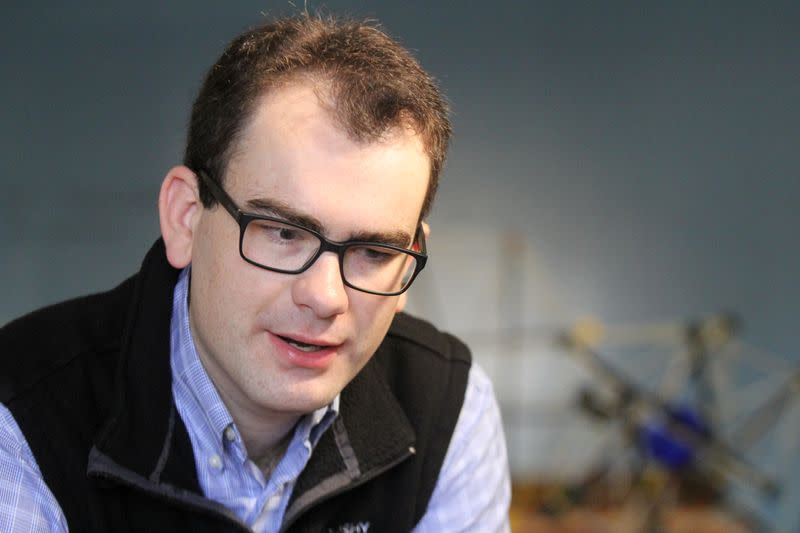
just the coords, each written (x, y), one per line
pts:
(220, 195)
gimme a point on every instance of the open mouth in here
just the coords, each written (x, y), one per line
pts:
(302, 346)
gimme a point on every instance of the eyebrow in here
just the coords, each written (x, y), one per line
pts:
(398, 238)
(282, 210)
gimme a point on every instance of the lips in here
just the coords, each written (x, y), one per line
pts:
(304, 352)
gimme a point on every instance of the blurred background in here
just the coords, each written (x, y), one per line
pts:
(616, 230)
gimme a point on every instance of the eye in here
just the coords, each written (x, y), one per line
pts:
(271, 232)
(376, 254)
(286, 234)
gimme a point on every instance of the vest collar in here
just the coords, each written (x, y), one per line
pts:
(141, 428)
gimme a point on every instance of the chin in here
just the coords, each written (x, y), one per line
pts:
(303, 403)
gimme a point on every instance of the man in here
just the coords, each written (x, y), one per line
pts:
(255, 374)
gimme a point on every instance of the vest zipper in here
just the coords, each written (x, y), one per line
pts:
(356, 483)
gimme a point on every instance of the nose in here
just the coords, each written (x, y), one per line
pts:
(321, 288)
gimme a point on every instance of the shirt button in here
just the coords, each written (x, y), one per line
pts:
(230, 434)
(215, 462)
(273, 501)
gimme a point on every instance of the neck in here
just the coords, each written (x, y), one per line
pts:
(265, 440)
(265, 437)
(263, 433)
(268, 460)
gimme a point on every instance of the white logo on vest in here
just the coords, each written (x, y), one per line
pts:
(360, 527)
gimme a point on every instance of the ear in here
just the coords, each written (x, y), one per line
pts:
(179, 208)
(402, 300)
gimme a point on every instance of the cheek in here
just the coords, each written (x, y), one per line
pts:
(219, 287)
(223, 273)
(373, 315)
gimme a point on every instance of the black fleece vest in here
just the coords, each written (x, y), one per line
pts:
(89, 384)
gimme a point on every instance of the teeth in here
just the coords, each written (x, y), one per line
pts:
(303, 346)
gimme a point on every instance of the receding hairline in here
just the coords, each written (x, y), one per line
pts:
(323, 89)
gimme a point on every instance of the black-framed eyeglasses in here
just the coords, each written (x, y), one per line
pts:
(278, 245)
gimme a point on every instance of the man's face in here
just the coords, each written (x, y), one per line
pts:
(244, 319)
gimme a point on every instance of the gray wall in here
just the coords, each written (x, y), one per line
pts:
(644, 151)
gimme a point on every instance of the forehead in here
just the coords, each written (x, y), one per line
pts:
(293, 151)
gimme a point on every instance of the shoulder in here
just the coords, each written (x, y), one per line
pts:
(416, 358)
(427, 371)
(473, 490)
(41, 343)
(26, 502)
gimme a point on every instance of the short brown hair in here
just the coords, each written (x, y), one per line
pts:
(375, 85)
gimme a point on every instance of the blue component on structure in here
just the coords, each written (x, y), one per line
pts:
(666, 445)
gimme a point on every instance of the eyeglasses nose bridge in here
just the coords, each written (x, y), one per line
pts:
(328, 246)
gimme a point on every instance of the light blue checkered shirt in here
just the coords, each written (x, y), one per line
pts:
(472, 493)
